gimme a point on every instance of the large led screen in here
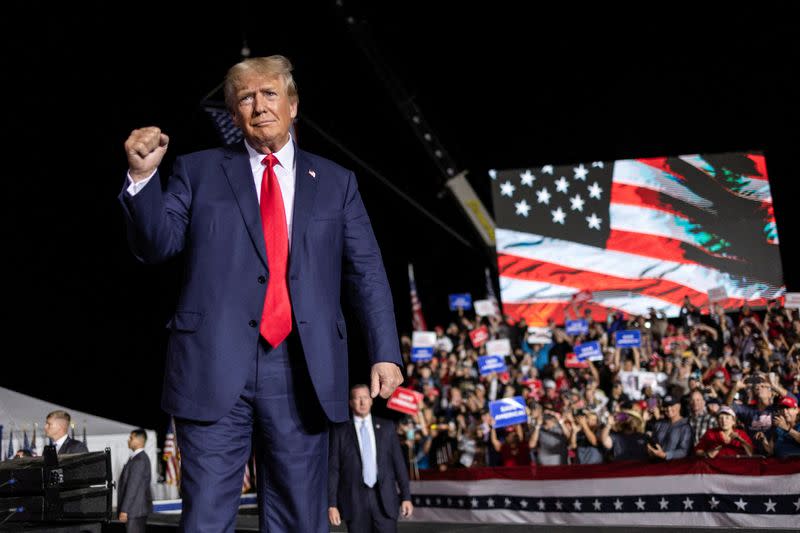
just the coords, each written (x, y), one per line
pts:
(636, 234)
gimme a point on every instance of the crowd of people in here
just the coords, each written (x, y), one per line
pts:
(709, 383)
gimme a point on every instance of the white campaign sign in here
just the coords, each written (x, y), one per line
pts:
(792, 300)
(423, 339)
(498, 347)
(484, 307)
(539, 335)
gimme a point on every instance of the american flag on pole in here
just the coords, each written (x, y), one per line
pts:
(171, 456)
(417, 320)
(636, 234)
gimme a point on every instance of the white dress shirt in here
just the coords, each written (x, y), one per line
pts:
(60, 442)
(357, 420)
(285, 172)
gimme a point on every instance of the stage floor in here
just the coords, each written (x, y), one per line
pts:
(158, 523)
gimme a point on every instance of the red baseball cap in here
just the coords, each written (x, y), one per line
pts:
(788, 401)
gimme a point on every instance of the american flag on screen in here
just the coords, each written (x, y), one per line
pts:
(417, 318)
(636, 234)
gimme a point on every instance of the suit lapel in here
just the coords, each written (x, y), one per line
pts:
(305, 191)
(240, 177)
(354, 441)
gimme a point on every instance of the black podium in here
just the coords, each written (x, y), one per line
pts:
(56, 493)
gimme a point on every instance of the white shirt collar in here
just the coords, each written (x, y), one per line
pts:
(137, 452)
(358, 420)
(285, 155)
(60, 442)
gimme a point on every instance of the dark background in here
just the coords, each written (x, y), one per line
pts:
(502, 86)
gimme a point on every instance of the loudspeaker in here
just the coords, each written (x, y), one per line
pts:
(53, 488)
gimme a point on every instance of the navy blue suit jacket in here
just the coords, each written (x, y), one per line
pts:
(345, 470)
(209, 210)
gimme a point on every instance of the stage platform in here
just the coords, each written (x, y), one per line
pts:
(163, 523)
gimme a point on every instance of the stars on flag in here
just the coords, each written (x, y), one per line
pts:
(640, 504)
(543, 196)
(597, 504)
(541, 505)
(559, 215)
(559, 505)
(577, 505)
(594, 221)
(490, 502)
(562, 185)
(663, 503)
(547, 169)
(577, 203)
(713, 502)
(688, 503)
(597, 164)
(527, 178)
(507, 189)
(580, 172)
(797, 505)
(617, 504)
(493, 173)
(595, 190)
(524, 504)
(740, 504)
(522, 207)
(770, 505)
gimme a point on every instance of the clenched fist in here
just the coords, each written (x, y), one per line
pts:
(145, 149)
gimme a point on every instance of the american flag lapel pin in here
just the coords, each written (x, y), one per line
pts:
(312, 173)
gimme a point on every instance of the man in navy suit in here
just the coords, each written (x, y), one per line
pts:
(258, 343)
(365, 470)
(134, 497)
(56, 427)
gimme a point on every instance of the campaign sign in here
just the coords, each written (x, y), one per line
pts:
(484, 308)
(577, 327)
(405, 400)
(717, 294)
(572, 361)
(479, 336)
(498, 347)
(508, 411)
(491, 363)
(629, 338)
(589, 351)
(460, 301)
(539, 335)
(792, 300)
(422, 343)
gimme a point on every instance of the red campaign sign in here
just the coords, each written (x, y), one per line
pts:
(479, 336)
(573, 362)
(405, 400)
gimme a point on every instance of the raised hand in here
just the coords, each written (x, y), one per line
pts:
(145, 148)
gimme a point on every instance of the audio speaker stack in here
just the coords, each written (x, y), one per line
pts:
(53, 489)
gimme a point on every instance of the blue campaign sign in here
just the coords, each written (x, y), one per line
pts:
(491, 363)
(577, 327)
(421, 353)
(460, 301)
(589, 351)
(630, 338)
(508, 411)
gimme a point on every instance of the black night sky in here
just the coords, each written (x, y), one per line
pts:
(501, 86)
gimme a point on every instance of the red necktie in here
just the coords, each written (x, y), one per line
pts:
(276, 318)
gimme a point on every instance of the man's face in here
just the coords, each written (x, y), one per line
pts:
(134, 443)
(264, 111)
(698, 403)
(674, 411)
(360, 401)
(55, 428)
(763, 392)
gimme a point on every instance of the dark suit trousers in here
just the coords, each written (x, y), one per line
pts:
(368, 516)
(278, 412)
(136, 525)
